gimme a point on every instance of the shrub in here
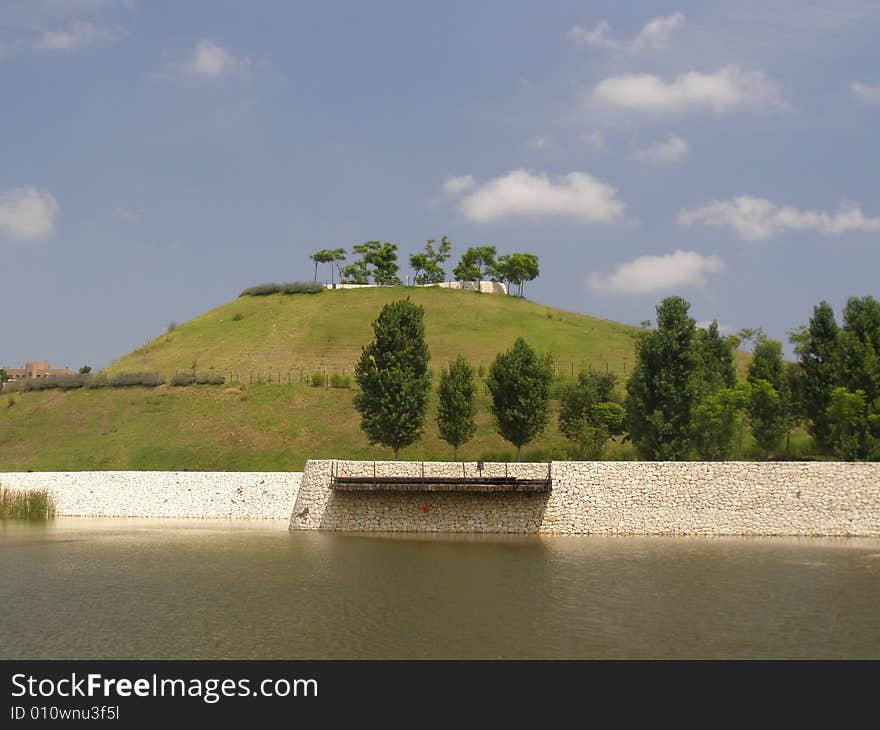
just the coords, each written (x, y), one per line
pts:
(64, 382)
(291, 287)
(340, 381)
(261, 290)
(185, 378)
(172, 325)
(318, 380)
(190, 378)
(210, 379)
(302, 287)
(237, 317)
(96, 381)
(124, 380)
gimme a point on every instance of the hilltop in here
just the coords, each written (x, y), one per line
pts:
(274, 425)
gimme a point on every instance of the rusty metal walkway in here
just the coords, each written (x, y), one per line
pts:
(428, 483)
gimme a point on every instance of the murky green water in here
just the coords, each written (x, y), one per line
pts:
(193, 589)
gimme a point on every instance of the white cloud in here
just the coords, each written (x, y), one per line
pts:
(520, 193)
(458, 185)
(721, 91)
(592, 36)
(869, 93)
(759, 218)
(27, 213)
(666, 152)
(80, 34)
(208, 60)
(126, 214)
(647, 274)
(653, 36)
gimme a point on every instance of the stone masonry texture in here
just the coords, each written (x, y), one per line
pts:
(658, 498)
(255, 495)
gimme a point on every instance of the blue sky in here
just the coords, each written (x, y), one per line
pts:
(159, 156)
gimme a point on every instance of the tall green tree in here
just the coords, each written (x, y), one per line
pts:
(376, 259)
(456, 411)
(854, 412)
(337, 256)
(749, 334)
(816, 348)
(427, 263)
(328, 256)
(519, 383)
(516, 269)
(590, 412)
(850, 429)
(393, 377)
(324, 256)
(716, 422)
(770, 408)
(476, 264)
(716, 364)
(664, 387)
(718, 399)
(859, 346)
(357, 272)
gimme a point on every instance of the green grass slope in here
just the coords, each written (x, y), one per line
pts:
(276, 425)
(280, 333)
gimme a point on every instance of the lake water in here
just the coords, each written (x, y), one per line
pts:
(81, 588)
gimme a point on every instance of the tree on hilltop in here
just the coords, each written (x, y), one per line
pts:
(377, 259)
(328, 256)
(476, 264)
(517, 269)
(427, 263)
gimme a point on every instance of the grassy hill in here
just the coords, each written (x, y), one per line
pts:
(257, 421)
(282, 333)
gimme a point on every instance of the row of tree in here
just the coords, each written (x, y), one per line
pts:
(377, 262)
(681, 400)
(683, 397)
(395, 384)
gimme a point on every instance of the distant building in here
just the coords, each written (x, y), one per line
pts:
(36, 370)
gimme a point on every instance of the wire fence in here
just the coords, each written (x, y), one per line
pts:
(325, 374)
(333, 376)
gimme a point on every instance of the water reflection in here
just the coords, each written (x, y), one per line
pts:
(212, 589)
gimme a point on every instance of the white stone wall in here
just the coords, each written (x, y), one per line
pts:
(485, 287)
(252, 495)
(663, 498)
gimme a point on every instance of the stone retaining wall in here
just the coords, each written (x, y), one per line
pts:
(664, 498)
(254, 495)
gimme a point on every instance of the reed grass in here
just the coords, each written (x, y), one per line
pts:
(36, 505)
